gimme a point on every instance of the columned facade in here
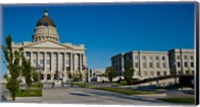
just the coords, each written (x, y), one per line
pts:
(47, 55)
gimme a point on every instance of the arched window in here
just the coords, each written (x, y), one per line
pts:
(35, 39)
(39, 38)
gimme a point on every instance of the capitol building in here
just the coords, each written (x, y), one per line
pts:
(47, 53)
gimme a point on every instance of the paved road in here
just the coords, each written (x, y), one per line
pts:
(92, 96)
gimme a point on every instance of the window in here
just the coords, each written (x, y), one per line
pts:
(157, 57)
(48, 55)
(143, 57)
(34, 54)
(164, 65)
(41, 61)
(158, 73)
(192, 64)
(48, 76)
(39, 39)
(144, 65)
(185, 57)
(151, 65)
(178, 57)
(178, 64)
(187, 72)
(186, 65)
(48, 61)
(35, 61)
(157, 65)
(136, 65)
(192, 72)
(41, 76)
(28, 54)
(191, 57)
(163, 58)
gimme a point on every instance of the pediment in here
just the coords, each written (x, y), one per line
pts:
(47, 44)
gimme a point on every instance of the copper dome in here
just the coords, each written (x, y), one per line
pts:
(46, 20)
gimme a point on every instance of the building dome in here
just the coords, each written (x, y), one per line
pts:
(45, 29)
(45, 20)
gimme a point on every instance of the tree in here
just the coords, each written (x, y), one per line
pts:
(27, 72)
(5, 76)
(13, 59)
(56, 74)
(128, 73)
(35, 76)
(110, 73)
(70, 77)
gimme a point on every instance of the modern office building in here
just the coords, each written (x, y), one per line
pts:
(149, 64)
(47, 53)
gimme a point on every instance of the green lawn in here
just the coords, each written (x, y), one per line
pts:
(173, 87)
(178, 100)
(32, 93)
(125, 91)
(37, 85)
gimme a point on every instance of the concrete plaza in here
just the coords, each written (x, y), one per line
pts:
(77, 95)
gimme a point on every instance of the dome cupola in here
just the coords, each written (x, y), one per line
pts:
(45, 29)
(45, 20)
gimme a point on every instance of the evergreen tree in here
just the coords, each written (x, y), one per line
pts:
(110, 73)
(27, 72)
(128, 73)
(13, 59)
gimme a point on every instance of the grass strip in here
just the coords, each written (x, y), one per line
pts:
(178, 100)
(32, 93)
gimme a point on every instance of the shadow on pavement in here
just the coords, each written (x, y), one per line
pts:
(79, 94)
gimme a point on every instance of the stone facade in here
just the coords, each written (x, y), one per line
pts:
(182, 61)
(46, 51)
(148, 64)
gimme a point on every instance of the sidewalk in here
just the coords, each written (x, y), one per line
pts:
(26, 99)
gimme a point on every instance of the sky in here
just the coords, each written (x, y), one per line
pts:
(107, 29)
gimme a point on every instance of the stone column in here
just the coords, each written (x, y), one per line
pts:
(44, 61)
(44, 74)
(58, 62)
(74, 70)
(80, 62)
(64, 63)
(31, 57)
(38, 57)
(71, 62)
(51, 62)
